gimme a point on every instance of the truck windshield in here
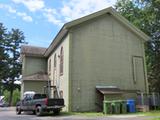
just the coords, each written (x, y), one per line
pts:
(39, 96)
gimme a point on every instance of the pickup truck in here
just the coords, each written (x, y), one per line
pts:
(39, 103)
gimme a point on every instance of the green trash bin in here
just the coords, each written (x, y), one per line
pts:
(107, 108)
(117, 106)
(113, 105)
(123, 106)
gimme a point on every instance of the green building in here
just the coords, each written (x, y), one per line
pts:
(98, 55)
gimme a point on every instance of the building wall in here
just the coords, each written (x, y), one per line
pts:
(22, 89)
(61, 81)
(31, 65)
(37, 86)
(102, 54)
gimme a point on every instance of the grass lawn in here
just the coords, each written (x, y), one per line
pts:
(85, 114)
(152, 113)
(96, 114)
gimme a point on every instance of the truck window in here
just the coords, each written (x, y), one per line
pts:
(39, 96)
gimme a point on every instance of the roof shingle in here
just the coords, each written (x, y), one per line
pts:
(33, 50)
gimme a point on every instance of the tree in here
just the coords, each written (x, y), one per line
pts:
(154, 45)
(145, 15)
(15, 39)
(12, 41)
(3, 55)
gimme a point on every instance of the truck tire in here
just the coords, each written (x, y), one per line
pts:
(38, 111)
(18, 110)
(34, 112)
(56, 111)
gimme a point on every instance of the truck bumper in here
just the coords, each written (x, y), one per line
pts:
(50, 108)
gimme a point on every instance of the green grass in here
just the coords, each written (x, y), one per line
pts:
(85, 114)
(97, 114)
(91, 114)
(152, 113)
(155, 113)
(156, 119)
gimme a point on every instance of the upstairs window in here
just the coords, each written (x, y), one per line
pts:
(49, 66)
(55, 61)
(61, 61)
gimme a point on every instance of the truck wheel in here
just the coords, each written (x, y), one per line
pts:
(34, 112)
(18, 110)
(38, 111)
(56, 111)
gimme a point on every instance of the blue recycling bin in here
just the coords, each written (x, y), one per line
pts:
(131, 106)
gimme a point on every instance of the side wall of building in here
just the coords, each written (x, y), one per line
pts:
(37, 86)
(104, 52)
(57, 79)
(31, 65)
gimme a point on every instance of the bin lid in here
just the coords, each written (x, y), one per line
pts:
(130, 100)
(109, 90)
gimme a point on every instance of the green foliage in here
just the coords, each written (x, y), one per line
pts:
(3, 54)
(145, 15)
(6, 94)
(10, 65)
(16, 96)
(153, 47)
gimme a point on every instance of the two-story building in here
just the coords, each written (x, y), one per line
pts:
(98, 55)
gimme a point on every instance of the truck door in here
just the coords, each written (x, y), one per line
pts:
(28, 102)
(31, 104)
(25, 103)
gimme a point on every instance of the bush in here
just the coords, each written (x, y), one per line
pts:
(16, 96)
(6, 94)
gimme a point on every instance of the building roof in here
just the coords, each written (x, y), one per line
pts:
(109, 90)
(32, 50)
(39, 76)
(110, 10)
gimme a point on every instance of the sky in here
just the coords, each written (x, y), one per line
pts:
(40, 20)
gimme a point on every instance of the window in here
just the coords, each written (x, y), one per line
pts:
(55, 62)
(49, 66)
(54, 69)
(61, 61)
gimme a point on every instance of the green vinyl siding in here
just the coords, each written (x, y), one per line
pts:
(102, 51)
(33, 65)
(37, 86)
